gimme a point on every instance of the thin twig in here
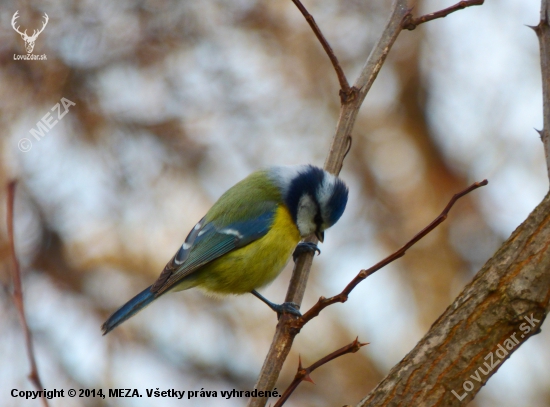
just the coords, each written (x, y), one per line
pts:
(303, 374)
(323, 302)
(346, 93)
(411, 23)
(18, 295)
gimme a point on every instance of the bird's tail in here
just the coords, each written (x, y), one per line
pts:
(129, 309)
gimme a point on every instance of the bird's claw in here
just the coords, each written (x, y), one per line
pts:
(305, 247)
(287, 308)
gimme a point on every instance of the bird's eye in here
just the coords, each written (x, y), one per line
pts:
(318, 219)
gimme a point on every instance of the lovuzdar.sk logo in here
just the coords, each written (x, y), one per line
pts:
(30, 40)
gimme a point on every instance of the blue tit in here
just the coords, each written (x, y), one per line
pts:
(247, 237)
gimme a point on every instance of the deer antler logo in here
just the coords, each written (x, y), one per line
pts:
(29, 41)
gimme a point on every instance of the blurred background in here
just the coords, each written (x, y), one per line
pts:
(175, 101)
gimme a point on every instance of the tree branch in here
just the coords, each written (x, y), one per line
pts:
(303, 373)
(411, 23)
(284, 334)
(323, 302)
(349, 111)
(503, 306)
(543, 33)
(285, 331)
(18, 295)
(345, 91)
(495, 314)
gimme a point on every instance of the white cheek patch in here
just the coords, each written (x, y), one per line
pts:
(307, 209)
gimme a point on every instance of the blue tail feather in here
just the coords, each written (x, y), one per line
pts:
(129, 309)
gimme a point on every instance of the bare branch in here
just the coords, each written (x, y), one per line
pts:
(323, 302)
(349, 111)
(285, 332)
(303, 374)
(411, 23)
(495, 314)
(345, 91)
(543, 33)
(18, 295)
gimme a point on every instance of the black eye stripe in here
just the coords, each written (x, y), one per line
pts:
(318, 219)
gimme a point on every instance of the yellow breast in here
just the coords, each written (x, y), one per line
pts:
(254, 265)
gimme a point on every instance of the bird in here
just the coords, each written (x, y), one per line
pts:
(248, 236)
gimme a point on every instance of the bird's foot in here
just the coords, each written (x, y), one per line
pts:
(305, 247)
(280, 309)
(286, 308)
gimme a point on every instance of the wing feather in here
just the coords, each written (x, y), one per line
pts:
(206, 242)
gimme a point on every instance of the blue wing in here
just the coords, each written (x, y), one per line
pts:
(206, 242)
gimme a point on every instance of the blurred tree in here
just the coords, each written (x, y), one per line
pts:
(176, 101)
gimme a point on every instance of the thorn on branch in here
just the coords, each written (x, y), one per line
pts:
(411, 23)
(536, 28)
(303, 374)
(350, 141)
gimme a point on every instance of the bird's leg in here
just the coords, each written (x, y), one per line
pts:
(289, 307)
(304, 247)
(286, 307)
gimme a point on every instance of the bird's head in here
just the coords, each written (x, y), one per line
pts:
(315, 198)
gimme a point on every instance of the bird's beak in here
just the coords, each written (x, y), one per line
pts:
(320, 235)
